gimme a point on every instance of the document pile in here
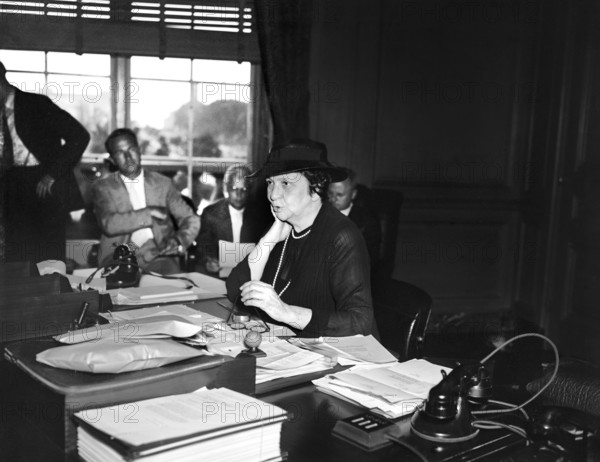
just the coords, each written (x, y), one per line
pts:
(214, 425)
(286, 360)
(352, 350)
(389, 390)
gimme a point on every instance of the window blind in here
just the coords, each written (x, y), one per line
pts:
(211, 29)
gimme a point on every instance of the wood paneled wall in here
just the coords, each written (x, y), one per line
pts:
(436, 99)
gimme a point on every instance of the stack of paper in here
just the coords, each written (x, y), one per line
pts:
(356, 349)
(286, 360)
(214, 425)
(390, 390)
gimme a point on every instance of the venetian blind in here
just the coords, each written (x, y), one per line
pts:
(211, 29)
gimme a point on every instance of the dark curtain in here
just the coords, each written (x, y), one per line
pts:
(284, 42)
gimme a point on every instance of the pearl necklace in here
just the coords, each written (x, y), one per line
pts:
(279, 266)
(295, 236)
(300, 236)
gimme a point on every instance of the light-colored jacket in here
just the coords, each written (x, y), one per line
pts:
(118, 220)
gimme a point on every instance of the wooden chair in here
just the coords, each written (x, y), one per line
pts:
(402, 312)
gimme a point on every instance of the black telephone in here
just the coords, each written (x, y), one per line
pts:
(124, 272)
(446, 416)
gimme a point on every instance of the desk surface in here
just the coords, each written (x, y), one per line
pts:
(306, 436)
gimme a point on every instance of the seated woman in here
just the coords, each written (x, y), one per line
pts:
(311, 268)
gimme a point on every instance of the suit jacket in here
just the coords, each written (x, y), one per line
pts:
(118, 220)
(369, 226)
(43, 126)
(216, 224)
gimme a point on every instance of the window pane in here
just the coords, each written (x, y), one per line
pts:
(34, 83)
(70, 63)
(223, 122)
(88, 100)
(155, 68)
(160, 113)
(206, 70)
(16, 60)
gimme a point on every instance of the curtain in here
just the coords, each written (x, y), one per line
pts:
(284, 42)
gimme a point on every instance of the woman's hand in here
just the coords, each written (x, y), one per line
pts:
(279, 229)
(263, 296)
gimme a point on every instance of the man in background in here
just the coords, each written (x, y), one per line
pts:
(343, 196)
(40, 144)
(235, 218)
(141, 207)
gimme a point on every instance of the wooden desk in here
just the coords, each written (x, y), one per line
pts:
(305, 437)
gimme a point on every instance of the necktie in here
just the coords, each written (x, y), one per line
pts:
(7, 145)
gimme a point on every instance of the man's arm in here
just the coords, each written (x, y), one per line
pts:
(188, 222)
(208, 243)
(74, 136)
(112, 222)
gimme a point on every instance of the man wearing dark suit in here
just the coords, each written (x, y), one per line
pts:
(40, 145)
(138, 206)
(343, 197)
(231, 219)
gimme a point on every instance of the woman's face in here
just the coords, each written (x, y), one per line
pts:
(290, 196)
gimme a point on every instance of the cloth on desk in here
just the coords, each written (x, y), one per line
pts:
(577, 385)
(108, 356)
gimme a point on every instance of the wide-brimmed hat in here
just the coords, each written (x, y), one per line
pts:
(298, 156)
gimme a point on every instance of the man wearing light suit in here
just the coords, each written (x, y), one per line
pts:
(40, 144)
(139, 206)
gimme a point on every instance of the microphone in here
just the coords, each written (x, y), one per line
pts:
(252, 340)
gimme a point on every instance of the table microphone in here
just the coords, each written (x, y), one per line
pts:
(252, 340)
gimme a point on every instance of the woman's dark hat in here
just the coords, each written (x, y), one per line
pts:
(299, 156)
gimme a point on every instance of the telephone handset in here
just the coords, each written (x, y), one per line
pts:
(124, 272)
(446, 415)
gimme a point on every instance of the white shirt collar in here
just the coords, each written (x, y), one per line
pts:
(347, 211)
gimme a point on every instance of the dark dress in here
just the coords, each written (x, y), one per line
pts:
(328, 272)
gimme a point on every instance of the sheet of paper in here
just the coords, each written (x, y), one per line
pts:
(369, 386)
(416, 378)
(230, 254)
(79, 283)
(207, 283)
(266, 375)
(356, 348)
(420, 369)
(283, 356)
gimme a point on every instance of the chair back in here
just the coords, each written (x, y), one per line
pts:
(386, 204)
(402, 312)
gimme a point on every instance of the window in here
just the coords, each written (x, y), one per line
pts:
(185, 107)
(187, 112)
(78, 84)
